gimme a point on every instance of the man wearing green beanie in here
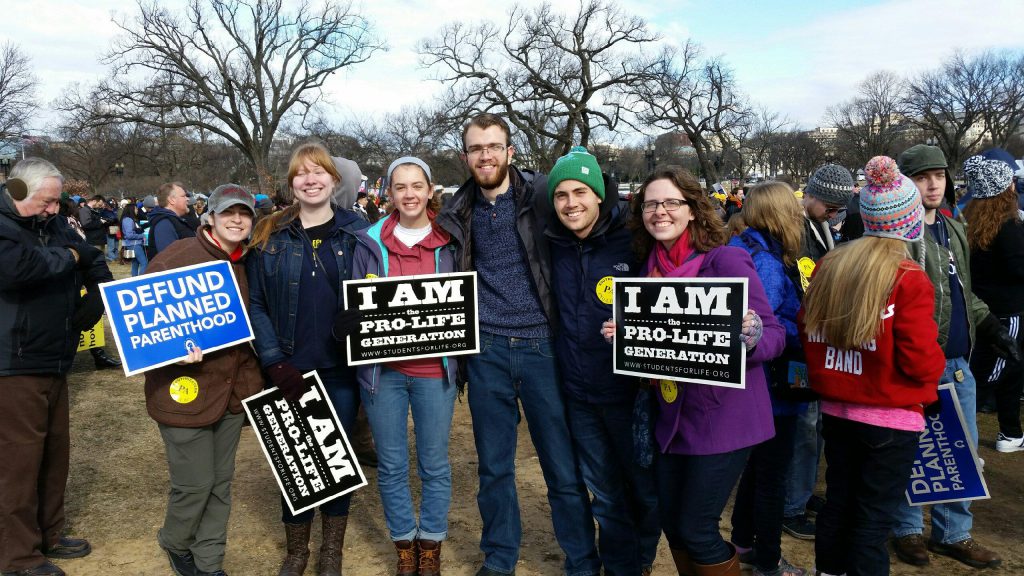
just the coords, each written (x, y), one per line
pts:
(590, 245)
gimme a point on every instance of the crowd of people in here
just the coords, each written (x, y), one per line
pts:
(924, 292)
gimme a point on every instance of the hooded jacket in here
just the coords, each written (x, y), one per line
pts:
(371, 257)
(162, 217)
(225, 377)
(39, 292)
(532, 212)
(582, 272)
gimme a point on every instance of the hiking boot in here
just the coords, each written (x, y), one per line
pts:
(429, 557)
(331, 551)
(68, 548)
(784, 569)
(297, 549)
(406, 558)
(967, 551)
(800, 527)
(182, 564)
(1009, 443)
(45, 569)
(814, 505)
(911, 549)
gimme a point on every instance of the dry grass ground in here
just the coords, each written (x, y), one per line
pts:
(118, 484)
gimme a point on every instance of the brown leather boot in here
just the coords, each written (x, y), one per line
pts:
(730, 567)
(331, 551)
(683, 563)
(406, 558)
(429, 557)
(297, 546)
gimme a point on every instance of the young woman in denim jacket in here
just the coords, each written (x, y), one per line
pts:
(407, 243)
(301, 256)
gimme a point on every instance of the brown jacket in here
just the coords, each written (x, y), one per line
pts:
(202, 392)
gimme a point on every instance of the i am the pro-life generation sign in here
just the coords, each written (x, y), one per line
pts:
(946, 468)
(157, 318)
(412, 317)
(308, 450)
(681, 329)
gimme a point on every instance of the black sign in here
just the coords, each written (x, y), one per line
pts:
(681, 329)
(413, 317)
(305, 444)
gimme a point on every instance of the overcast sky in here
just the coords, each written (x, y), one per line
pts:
(797, 57)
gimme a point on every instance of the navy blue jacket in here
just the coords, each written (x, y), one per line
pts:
(274, 273)
(584, 302)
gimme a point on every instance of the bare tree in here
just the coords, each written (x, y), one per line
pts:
(765, 126)
(685, 91)
(948, 104)
(17, 90)
(873, 122)
(555, 77)
(235, 69)
(1003, 113)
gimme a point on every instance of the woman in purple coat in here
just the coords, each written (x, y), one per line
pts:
(704, 433)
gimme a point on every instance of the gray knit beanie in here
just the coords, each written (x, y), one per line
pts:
(832, 184)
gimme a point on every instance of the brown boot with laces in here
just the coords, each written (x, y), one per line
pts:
(331, 549)
(297, 544)
(429, 557)
(406, 558)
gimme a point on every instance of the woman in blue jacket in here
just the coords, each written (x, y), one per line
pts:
(773, 240)
(302, 255)
(133, 236)
(407, 243)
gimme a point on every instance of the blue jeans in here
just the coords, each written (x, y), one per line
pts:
(344, 394)
(432, 401)
(140, 261)
(692, 492)
(625, 499)
(951, 522)
(865, 480)
(507, 372)
(803, 469)
(111, 248)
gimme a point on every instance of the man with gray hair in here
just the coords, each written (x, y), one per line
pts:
(45, 266)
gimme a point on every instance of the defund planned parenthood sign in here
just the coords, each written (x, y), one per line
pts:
(157, 318)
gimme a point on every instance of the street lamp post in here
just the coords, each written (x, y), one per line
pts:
(5, 165)
(119, 170)
(649, 154)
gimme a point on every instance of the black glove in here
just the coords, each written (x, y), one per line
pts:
(999, 339)
(88, 311)
(345, 323)
(87, 254)
(288, 379)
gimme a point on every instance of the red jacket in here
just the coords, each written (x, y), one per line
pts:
(900, 368)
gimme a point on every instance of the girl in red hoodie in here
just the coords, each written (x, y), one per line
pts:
(873, 355)
(407, 243)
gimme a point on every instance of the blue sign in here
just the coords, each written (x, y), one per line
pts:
(157, 318)
(946, 468)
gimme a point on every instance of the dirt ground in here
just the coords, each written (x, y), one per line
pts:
(118, 484)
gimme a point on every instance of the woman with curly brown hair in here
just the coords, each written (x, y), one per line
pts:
(996, 236)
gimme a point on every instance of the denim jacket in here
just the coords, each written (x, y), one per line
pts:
(274, 271)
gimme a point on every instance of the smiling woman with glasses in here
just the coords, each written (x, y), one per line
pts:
(704, 433)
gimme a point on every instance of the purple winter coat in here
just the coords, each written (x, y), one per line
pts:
(705, 419)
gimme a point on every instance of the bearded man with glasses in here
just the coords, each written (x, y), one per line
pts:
(496, 221)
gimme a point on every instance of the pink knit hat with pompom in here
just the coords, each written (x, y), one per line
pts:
(890, 204)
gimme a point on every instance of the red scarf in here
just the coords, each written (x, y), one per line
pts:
(666, 261)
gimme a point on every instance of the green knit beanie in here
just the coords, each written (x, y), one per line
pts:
(579, 165)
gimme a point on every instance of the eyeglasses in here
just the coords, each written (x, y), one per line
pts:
(670, 205)
(494, 149)
(832, 210)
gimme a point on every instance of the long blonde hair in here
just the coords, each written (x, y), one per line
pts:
(772, 207)
(313, 152)
(851, 285)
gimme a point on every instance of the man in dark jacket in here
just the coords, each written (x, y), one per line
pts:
(960, 315)
(590, 245)
(94, 223)
(167, 222)
(827, 192)
(496, 221)
(45, 265)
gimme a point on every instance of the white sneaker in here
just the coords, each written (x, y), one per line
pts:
(1004, 444)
